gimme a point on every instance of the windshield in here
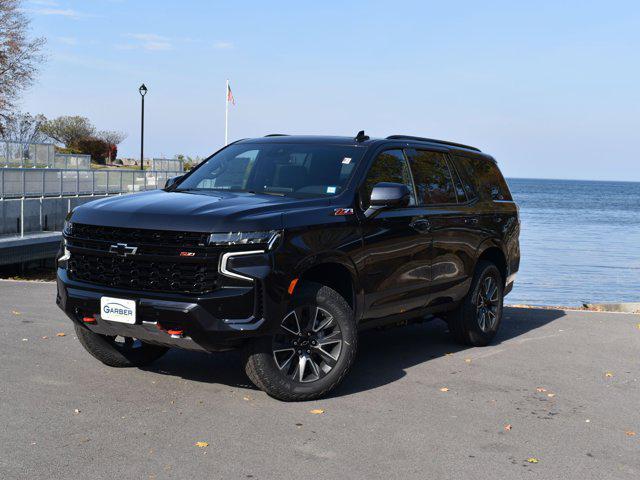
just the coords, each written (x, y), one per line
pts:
(278, 169)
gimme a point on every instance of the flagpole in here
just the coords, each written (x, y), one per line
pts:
(226, 114)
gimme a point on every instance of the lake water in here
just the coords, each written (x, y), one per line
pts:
(580, 242)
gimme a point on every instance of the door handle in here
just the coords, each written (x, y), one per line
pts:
(422, 226)
(471, 220)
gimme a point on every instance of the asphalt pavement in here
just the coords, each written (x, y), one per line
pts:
(556, 395)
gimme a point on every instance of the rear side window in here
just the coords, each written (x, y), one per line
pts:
(432, 176)
(482, 177)
(389, 166)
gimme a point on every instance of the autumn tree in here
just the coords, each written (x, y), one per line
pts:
(22, 127)
(20, 54)
(68, 130)
(113, 138)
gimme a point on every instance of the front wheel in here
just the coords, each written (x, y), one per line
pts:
(118, 351)
(476, 321)
(312, 350)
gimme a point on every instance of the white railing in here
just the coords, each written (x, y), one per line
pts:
(68, 161)
(18, 154)
(167, 165)
(30, 182)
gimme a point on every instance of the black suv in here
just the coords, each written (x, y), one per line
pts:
(288, 246)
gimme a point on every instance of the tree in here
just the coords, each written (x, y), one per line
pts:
(22, 127)
(68, 130)
(19, 54)
(96, 147)
(113, 139)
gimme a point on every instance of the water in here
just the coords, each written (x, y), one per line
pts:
(580, 242)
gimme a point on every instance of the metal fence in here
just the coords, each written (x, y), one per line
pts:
(18, 154)
(167, 165)
(40, 155)
(29, 182)
(74, 161)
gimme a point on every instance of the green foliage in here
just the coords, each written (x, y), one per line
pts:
(67, 150)
(69, 130)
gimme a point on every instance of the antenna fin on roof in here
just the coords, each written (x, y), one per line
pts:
(361, 137)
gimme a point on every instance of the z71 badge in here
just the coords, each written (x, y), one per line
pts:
(339, 212)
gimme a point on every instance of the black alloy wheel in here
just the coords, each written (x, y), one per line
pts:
(310, 350)
(487, 304)
(308, 345)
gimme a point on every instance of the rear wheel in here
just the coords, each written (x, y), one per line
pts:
(477, 319)
(118, 351)
(311, 351)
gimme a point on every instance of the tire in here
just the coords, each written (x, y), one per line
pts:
(130, 353)
(287, 368)
(466, 322)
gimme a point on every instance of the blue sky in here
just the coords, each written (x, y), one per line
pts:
(552, 91)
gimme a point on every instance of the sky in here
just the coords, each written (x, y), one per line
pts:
(550, 89)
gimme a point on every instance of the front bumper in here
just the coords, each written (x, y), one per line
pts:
(209, 322)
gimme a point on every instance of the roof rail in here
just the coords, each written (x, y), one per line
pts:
(277, 135)
(431, 140)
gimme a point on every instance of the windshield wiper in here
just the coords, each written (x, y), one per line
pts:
(266, 192)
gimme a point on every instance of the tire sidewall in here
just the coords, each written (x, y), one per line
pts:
(328, 299)
(476, 335)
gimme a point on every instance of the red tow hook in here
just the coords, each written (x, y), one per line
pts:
(176, 333)
(89, 319)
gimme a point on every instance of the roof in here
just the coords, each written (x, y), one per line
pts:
(351, 141)
(326, 139)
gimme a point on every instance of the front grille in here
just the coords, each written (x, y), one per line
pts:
(165, 261)
(139, 236)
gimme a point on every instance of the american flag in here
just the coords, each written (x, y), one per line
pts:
(230, 97)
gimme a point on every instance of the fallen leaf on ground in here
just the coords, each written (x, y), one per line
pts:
(638, 326)
(587, 421)
(508, 427)
(45, 337)
(551, 395)
(246, 398)
(15, 312)
(76, 411)
(444, 389)
(201, 444)
(467, 360)
(25, 339)
(532, 460)
(317, 411)
(630, 433)
(61, 334)
(608, 374)
(541, 390)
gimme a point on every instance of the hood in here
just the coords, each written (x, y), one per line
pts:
(188, 211)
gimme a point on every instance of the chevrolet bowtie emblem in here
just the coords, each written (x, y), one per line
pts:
(122, 249)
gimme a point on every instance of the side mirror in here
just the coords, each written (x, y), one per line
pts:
(172, 180)
(387, 195)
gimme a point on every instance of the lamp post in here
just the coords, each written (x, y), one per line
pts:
(143, 92)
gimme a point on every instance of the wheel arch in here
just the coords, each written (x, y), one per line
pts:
(337, 273)
(494, 253)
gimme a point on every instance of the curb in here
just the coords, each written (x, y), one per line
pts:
(628, 307)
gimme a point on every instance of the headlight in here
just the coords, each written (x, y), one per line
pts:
(66, 255)
(243, 238)
(68, 228)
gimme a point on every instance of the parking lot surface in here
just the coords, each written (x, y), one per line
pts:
(557, 395)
